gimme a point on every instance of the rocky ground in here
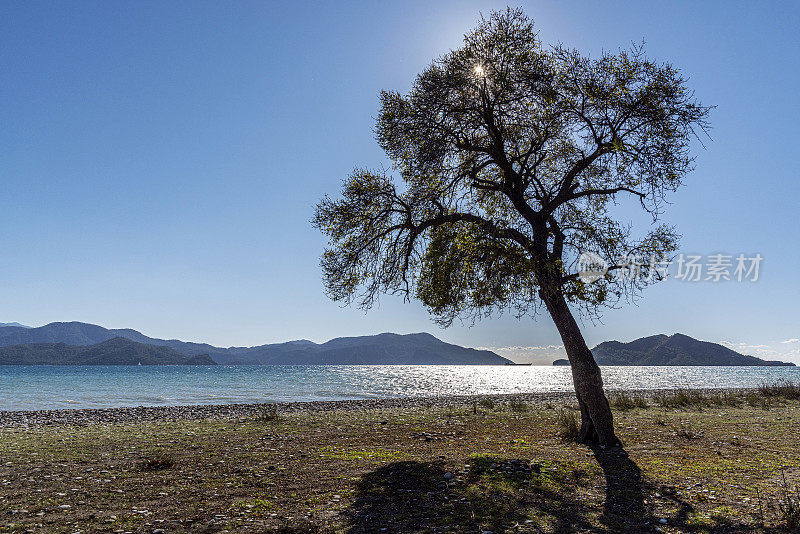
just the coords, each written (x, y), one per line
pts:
(716, 461)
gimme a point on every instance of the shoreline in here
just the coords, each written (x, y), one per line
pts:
(139, 414)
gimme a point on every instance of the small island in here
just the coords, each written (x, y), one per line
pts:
(677, 349)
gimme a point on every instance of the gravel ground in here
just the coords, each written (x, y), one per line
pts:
(703, 463)
(32, 418)
(29, 418)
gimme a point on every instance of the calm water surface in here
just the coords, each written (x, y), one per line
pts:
(37, 387)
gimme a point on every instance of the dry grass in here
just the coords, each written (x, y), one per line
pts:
(786, 389)
(569, 425)
(622, 400)
(789, 505)
(681, 398)
(518, 406)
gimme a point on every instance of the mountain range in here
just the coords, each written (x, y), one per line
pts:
(87, 344)
(115, 351)
(677, 349)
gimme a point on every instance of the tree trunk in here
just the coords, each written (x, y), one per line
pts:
(597, 422)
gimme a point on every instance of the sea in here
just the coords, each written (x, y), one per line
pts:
(40, 387)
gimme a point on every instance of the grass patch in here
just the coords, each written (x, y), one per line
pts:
(758, 400)
(624, 401)
(680, 398)
(352, 455)
(786, 389)
(569, 425)
(725, 398)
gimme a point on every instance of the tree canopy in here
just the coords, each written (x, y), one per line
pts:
(510, 156)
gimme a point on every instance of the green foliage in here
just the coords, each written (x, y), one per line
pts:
(511, 154)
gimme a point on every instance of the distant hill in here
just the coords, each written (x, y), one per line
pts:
(409, 349)
(677, 349)
(76, 333)
(394, 349)
(115, 351)
(2, 325)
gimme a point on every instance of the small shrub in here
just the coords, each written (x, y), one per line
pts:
(269, 413)
(781, 388)
(681, 398)
(686, 432)
(569, 425)
(156, 462)
(756, 400)
(725, 399)
(518, 406)
(789, 506)
(487, 403)
(624, 401)
(723, 515)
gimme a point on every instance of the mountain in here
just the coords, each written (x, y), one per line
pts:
(76, 333)
(2, 325)
(115, 351)
(394, 349)
(409, 349)
(677, 349)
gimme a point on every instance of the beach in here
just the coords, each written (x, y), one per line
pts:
(713, 460)
(235, 412)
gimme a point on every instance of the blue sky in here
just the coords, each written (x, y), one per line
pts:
(160, 161)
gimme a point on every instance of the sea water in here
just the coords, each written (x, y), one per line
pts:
(39, 387)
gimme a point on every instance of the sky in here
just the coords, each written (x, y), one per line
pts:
(160, 162)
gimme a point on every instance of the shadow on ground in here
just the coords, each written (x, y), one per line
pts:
(513, 495)
(491, 494)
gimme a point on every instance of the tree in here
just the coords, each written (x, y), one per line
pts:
(512, 157)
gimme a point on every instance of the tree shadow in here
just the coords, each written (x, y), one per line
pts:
(630, 500)
(514, 495)
(495, 494)
(624, 503)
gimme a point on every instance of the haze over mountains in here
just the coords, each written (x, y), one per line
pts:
(56, 343)
(677, 349)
